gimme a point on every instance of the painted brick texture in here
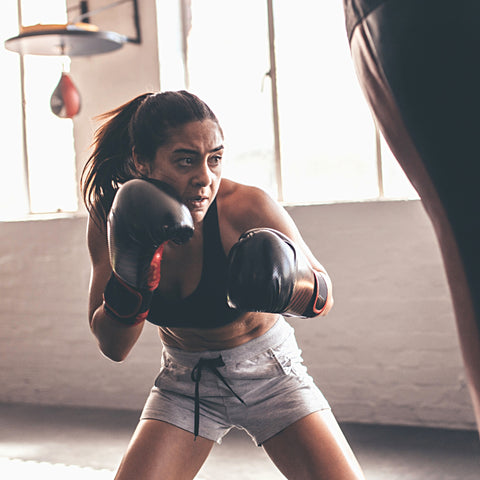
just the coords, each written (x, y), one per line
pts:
(387, 353)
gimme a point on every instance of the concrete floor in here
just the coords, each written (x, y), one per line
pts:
(72, 443)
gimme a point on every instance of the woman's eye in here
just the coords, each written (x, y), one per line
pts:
(186, 162)
(215, 160)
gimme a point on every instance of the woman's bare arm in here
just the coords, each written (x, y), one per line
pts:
(114, 338)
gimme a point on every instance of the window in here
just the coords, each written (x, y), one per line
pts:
(39, 163)
(226, 67)
(327, 138)
(326, 132)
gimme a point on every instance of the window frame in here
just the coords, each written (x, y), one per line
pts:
(67, 207)
(378, 141)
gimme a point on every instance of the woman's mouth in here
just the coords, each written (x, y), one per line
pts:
(197, 202)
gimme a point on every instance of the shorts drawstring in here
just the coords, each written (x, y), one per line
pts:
(210, 364)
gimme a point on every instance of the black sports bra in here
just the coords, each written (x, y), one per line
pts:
(207, 306)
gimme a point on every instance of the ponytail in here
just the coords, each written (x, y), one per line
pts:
(111, 162)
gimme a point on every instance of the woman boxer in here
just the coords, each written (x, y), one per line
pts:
(213, 263)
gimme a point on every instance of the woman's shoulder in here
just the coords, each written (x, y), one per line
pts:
(240, 197)
(246, 206)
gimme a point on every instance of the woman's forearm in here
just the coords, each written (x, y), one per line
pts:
(114, 338)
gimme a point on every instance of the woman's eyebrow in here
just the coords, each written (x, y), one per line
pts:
(189, 151)
(186, 151)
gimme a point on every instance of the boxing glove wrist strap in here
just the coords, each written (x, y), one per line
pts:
(320, 295)
(124, 303)
(315, 303)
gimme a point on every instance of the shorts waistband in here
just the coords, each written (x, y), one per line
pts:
(279, 332)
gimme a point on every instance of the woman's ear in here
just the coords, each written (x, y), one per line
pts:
(141, 163)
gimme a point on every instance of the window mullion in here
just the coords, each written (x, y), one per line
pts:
(276, 125)
(26, 170)
(378, 154)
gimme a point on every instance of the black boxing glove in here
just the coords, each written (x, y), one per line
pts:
(269, 273)
(144, 215)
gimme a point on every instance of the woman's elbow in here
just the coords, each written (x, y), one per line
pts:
(112, 352)
(109, 346)
(114, 340)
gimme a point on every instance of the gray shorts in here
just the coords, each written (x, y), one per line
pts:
(261, 387)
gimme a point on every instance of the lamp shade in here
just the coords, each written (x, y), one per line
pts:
(70, 39)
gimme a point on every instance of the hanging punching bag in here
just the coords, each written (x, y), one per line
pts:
(65, 99)
(417, 63)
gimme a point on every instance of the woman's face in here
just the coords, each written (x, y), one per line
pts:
(191, 162)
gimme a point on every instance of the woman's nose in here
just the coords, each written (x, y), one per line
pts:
(203, 175)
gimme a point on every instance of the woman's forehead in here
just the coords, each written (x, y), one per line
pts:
(199, 133)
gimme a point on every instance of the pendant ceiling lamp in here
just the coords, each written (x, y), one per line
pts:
(77, 37)
(70, 39)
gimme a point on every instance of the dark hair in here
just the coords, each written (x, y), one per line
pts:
(142, 125)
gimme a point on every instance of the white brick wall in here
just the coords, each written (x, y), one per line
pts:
(387, 353)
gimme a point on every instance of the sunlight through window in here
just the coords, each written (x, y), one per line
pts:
(327, 133)
(42, 179)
